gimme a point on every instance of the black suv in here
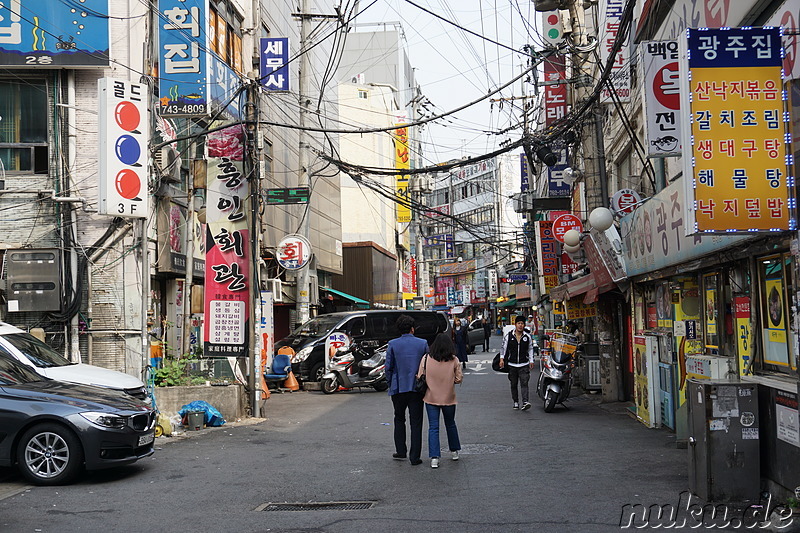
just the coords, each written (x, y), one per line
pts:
(370, 329)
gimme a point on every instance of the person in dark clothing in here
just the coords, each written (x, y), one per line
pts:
(327, 304)
(517, 353)
(402, 362)
(487, 333)
(460, 340)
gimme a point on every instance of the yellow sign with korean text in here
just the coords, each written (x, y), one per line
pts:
(576, 309)
(402, 162)
(738, 180)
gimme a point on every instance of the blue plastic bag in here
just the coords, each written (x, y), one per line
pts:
(211, 416)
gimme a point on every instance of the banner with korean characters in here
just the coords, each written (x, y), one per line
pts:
(274, 63)
(555, 88)
(576, 309)
(547, 252)
(49, 33)
(662, 97)
(227, 248)
(741, 314)
(610, 18)
(402, 162)
(735, 161)
(183, 60)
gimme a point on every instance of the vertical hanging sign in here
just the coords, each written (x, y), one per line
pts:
(275, 63)
(662, 97)
(547, 255)
(735, 157)
(555, 88)
(227, 248)
(620, 80)
(123, 135)
(183, 57)
(402, 162)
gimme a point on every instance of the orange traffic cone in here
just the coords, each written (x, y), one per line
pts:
(291, 382)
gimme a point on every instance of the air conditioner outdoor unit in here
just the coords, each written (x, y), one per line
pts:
(275, 286)
(168, 163)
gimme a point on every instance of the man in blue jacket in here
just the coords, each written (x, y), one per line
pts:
(402, 362)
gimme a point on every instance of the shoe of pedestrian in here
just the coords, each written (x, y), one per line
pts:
(516, 405)
(398, 456)
(463, 365)
(416, 462)
(434, 462)
(526, 406)
(455, 455)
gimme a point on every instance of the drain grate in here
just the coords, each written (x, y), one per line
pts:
(316, 506)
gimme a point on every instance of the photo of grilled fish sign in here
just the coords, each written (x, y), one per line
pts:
(735, 162)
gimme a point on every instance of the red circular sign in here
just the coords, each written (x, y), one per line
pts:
(666, 87)
(563, 224)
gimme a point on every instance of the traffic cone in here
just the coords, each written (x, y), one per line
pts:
(291, 382)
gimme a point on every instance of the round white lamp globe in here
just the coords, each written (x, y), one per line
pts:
(571, 249)
(572, 237)
(601, 218)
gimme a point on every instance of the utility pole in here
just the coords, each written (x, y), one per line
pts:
(251, 170)
(303, 275)
(186, 346)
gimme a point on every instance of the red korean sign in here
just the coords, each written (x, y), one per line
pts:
(555, 89)
(563, 224)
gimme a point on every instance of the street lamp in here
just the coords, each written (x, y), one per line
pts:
(601, 218)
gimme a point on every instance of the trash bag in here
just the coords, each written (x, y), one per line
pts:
(212, 417)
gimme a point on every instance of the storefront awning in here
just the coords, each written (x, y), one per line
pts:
(354, 299)
(584, 285)
(508, 303)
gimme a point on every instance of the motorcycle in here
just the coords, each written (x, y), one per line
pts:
(555, 378)
(351, 369)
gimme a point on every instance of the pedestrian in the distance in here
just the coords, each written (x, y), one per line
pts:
(442, 372)
(402, 361)
(487, 333)
(460, 340)
(517, 353)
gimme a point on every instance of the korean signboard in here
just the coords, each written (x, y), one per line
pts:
(555, 88)
(662, 97)
(48, 33)
(293, 252)
(123, 134)
(737, 180)
(564, 223)
(275, 63)
(556, 186)
(183, 57)
(576, 309)
(741, 314)
(172, 225)
(227, 248)
(610, 18)
(525, 174)
(547, 256)
(402, 162)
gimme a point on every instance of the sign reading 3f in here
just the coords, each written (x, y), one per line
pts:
(274, 63)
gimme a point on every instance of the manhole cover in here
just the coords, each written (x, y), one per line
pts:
(477, 449)
(315, 506)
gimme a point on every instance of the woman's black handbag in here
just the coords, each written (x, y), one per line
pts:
(420, 385)
(496, 364)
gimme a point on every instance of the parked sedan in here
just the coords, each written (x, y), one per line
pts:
(45, 361)
(50, 430)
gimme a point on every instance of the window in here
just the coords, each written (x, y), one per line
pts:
(224, 33)
(363, 94)
(777, 337)
(23, 126)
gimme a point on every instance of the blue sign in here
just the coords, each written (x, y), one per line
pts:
(48, 33)
(556, 186)
(735, 47)
(183, 58)
(525, 174)
(222, 84)
(518, 277)
(274, 63)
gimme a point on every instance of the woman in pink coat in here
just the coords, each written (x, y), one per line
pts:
(442, 371)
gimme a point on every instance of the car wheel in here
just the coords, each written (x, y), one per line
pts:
(49, 454)
(317, 371)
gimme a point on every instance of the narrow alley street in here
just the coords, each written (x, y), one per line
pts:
(571, 470)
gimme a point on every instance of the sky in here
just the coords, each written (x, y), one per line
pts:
(454, 68)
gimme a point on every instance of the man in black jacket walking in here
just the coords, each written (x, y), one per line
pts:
(517, 353)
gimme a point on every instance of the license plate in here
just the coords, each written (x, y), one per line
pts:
(146, 439)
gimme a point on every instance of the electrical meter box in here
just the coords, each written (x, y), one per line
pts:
(33, 280)
(724, 452)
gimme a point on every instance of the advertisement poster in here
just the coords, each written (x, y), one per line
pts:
(776, 313)
(786, 417)
(735, 163)
(642, 394)
(711, 311)
(687, 311)
(664, 305)
(741, 314)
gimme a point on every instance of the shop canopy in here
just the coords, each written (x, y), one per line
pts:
(358, 301)
(508, 303)
(583, 285)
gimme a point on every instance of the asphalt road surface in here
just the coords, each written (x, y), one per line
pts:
(571, 470)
